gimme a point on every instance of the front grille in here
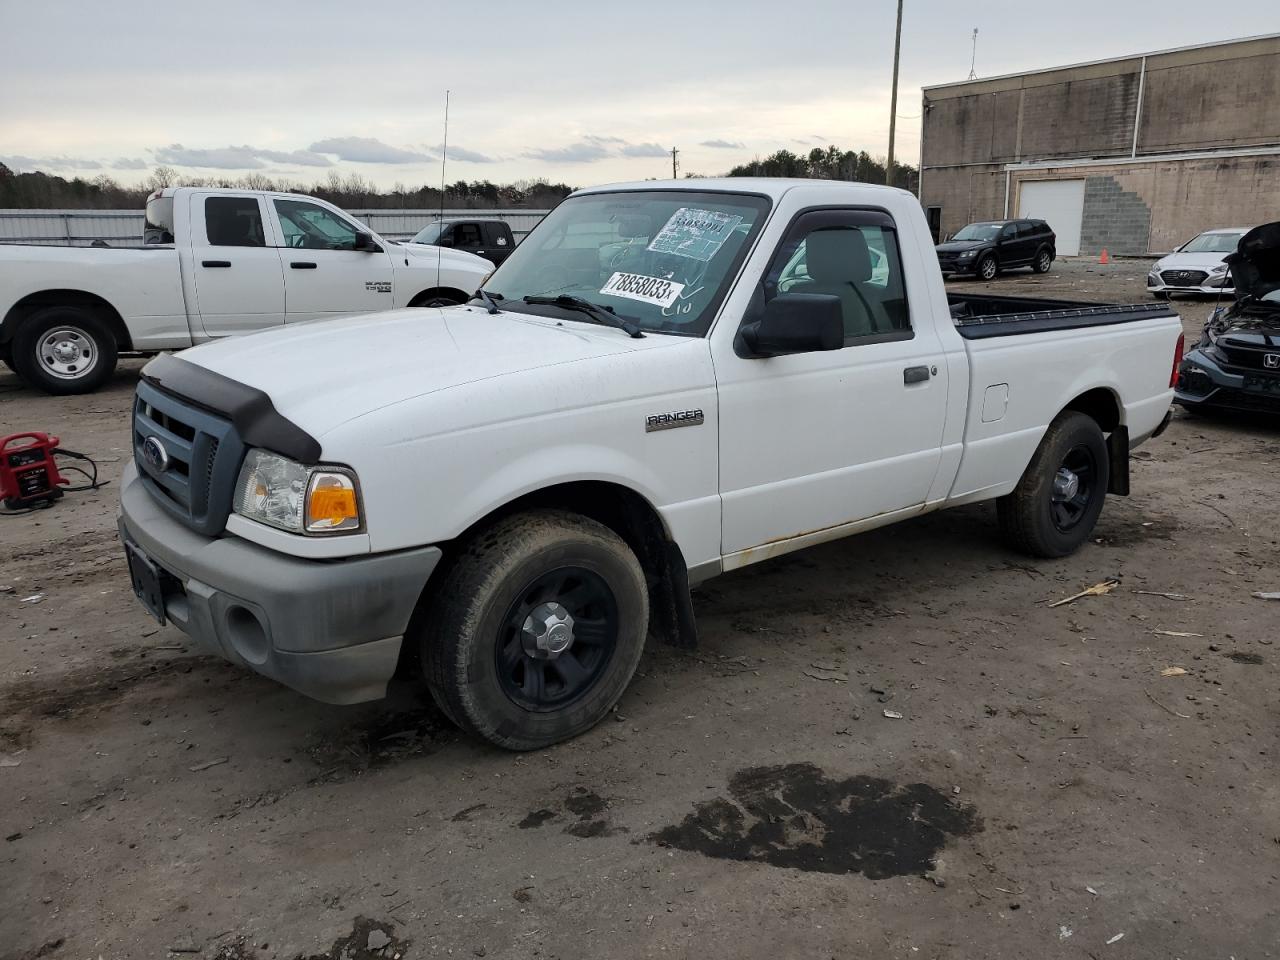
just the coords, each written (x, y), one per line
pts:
(1183, 278)
(191, 463)
(1248, 357)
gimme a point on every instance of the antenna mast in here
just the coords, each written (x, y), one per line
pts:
(674, 163)
(444, 159)
(973, 74)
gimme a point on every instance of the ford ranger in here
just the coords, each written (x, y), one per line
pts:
(217, 263)
(664, 382)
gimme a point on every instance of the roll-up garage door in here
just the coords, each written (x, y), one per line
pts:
(1059, 203)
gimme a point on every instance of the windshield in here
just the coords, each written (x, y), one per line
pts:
(662, 259)
(1213, 243)
(978, 231)
(428, 234)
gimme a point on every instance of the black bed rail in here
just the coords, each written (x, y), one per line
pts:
(1041, 321)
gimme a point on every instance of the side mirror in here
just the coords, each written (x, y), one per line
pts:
(365, 241)
(796, 323)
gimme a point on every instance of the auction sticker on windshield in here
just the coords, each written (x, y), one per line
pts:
(633, 286)
(693, 233)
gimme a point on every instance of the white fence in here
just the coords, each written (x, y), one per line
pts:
(123, 228)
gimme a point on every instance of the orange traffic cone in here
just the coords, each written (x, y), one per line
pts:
(1104, 258)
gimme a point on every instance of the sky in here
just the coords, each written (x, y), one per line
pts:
(575, 91)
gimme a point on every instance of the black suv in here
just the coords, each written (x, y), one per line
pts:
(984, 249)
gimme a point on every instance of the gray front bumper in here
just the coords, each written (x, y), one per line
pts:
(330, 629)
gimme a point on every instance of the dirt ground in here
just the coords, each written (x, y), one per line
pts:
(1045, 793)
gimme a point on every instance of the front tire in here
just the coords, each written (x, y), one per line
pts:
(987, 268)
(535, 629)
(65, 350)
(1055, 505)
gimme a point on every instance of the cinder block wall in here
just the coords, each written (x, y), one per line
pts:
(1217, 97)
(1154, 206)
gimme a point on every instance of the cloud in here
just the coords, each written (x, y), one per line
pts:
(722, 144)
(468, 156)
(50, 163)
(232, 158)
(597, 139)
(129, 163)
(584, 151)
(368, 150)
(644, 150)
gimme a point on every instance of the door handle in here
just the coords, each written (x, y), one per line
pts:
(215, 263)
(302, 265)
(915, 375)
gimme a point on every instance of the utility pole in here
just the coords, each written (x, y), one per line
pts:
(675, 166)
(893, 97)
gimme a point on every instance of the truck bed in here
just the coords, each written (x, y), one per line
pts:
(978, 316)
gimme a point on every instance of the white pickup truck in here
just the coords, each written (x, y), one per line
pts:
(664, 382)
(217, 263)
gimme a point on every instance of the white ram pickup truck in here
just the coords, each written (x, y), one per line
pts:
(218, 263)
(664, 382)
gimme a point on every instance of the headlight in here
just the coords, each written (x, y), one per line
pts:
(1220, 268)
(277, 491)
(964, 254)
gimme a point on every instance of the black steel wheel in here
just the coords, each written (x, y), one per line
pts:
(533, 628)
(557, 638)
(1056, 503)
(1073, 487)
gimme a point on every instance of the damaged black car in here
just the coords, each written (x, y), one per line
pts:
(1236, 364)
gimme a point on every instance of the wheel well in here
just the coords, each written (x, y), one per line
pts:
(65, 298)
(1100, 404)
(452, 292)
(627, 514)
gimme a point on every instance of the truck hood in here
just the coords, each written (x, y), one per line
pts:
(1255, 265)
(325, 373)
(425, 257)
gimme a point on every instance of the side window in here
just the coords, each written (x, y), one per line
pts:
(854, 258)
(233, 222)
(1007, 232)
(495, 236)
(467, 235)
(1026, 229)
(307, 226)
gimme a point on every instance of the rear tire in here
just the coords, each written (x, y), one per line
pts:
(65, 350)
(530, 574)
(987, 268)
(1055, 505)
(1042, 262)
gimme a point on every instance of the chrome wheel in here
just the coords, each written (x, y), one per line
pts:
(67, 352)
(1043, 261)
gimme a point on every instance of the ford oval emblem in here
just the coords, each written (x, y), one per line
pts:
(155, 454)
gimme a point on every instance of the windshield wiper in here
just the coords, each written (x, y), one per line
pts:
(594, 310)
(490, 300)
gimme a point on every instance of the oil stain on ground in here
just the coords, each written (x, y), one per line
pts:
(590, 810)
(793, 815)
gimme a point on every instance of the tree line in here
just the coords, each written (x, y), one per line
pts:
(830, 163)
(48, 191)
(42, 191)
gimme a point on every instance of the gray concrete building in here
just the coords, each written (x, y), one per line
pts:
(1135, 155)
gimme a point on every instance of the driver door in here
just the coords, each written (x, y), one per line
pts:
(325, 276)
